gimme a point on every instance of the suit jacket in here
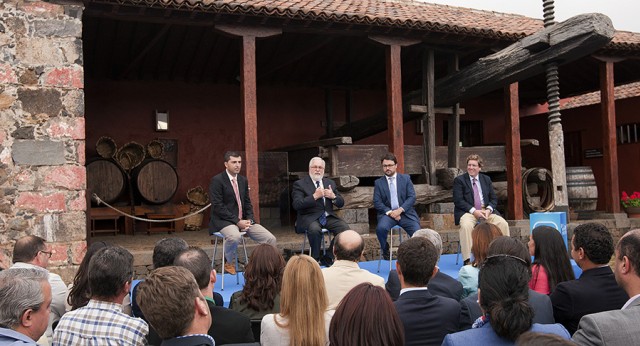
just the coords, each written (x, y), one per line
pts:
(463, 195)
(342, 276)
(227, 327)
(541, 304)
(611, 328)
(486, 336)
(427, 318)
(224, 207)
(406, 196)
(310, 209)
(441, 285)
(595, 291)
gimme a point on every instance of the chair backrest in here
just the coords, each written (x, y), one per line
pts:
(256, 326)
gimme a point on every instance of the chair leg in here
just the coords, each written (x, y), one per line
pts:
(458, 254)
(304, 244)
(391, 249)
(222, 265)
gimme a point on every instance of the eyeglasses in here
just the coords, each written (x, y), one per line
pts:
(48, 253)
(389, 166)
(316, 167)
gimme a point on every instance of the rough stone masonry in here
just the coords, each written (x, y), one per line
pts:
(42, 129)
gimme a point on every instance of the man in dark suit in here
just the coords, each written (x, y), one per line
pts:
(618, 327)
(441, 285)
(313, 198)
(393, 198)
(426, 318)
(596, 290)
(474, 200)
(231, 210)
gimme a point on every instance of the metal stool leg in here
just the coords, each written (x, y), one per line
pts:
(222, 264)
(391, 248)
(458, 254)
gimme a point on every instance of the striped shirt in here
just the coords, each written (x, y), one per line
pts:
(100, 323)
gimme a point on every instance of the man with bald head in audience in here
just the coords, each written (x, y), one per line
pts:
(345, 273)
(618, 327)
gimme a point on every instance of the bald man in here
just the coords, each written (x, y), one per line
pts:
(345, 273)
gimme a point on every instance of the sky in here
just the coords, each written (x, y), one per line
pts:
(623, 13)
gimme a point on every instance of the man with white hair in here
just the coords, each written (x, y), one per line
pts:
(441, 285)
(314, 198)
(25, 304)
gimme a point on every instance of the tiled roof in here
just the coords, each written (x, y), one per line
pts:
(393, 13)
(620, 92)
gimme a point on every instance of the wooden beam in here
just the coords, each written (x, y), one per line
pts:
(250, 117)
(394, 104)
(453, 129)
(610, 149)
(254, 31)
(319, 143)
(394, 41)
(568, 41)
(143, 52)
(513, 154)
(436, 110)
(429, 118)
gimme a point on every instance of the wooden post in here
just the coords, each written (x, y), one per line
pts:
(394, 104)
(514, 157)
(429, 118)
(610, 149)
(453, 135)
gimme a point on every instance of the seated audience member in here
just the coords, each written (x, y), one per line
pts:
(541, 304)
(426, 318)
(366, 317)
(542, 339)
(596, 290)
(101, 321)
(32, 252)
(441, 285)
(227, 326)
(618, 327)
(481, 236)
(503, 294)
(25, 300)
(182, 316)
(79, 290)
(345, 273)
(303, 318)
(551, 264)
(164, 253)
(260, 294)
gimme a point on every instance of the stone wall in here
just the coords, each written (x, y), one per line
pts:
(42, 130)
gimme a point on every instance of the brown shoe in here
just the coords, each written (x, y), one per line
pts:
(229, 268)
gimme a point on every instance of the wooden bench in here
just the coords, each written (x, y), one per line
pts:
(156, 227)
(104, 217)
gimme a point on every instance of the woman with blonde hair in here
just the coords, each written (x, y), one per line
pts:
(303, 319)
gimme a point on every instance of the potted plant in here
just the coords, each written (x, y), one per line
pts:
(631, 204)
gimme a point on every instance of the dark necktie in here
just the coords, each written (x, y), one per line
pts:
(323, 217)
(477, 202)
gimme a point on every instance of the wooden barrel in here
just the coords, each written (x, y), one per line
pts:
(156, 181)
(106, 179)
(582, 188)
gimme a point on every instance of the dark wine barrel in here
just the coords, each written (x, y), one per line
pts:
(106, 179)
(582, 188)
(156, 181)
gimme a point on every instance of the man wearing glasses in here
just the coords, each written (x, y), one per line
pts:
(393, 198)
(32, 252)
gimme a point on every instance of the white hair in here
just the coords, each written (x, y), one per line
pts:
(316, 159)
(433, 236)
(20, 289)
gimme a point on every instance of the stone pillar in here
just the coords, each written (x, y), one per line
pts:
(42, 130)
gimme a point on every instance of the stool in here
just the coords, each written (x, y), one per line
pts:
(324, 247)
(168, 226)
(113, 218)
(399, 229)
(218, 235)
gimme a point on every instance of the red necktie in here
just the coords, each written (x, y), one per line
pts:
(235, 189)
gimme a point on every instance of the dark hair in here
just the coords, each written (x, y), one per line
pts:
(551, 253)
(262, 277)
(109, 269)
(595, 240)
(27, 248)
(389, 156)
(79, 294)
(542, 339)
(481, 237)
(366, 316)
(417, 257)
(504, 245)
(198, 263)
(503, 282)
(347, 254)
(228, 154)
(166, 250)
(629, 245)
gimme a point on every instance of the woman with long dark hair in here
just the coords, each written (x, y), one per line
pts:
(79, 294)
(551, 264)
(262, 281)
(503, 295)
(481, 237)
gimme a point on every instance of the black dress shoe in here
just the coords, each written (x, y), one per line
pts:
(385, 254)
(326, 261)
